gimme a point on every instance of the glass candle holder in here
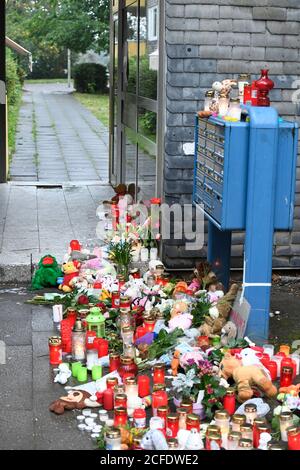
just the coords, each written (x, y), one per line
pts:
(120, 417)
(127, 335)
(250, 410)
(278, 360)
(78, 342)
(296, 358)
(113, 439)
(235, 110)
(245, 444)
(213, 437)
(163, 412)
(286, 377)
(127, 366)
(222, 420)
(182, 413)
(247, 431)
(293, 434)
(55, 350)
(159, 398)
(237, 421)
(111, 382)
(272, 368)
(131, 389)
(229, 401)
(286, 421)
(114, 362)
(172, 427)
(193, 422)
(159, 374)
(82, 374)
(144, 386)
(256, 434)
(233, 440)
(223, 105)
(208, 99)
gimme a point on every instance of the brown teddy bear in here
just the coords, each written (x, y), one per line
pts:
(70, 271)
(218, 315)
(75, 400)
(246, 377)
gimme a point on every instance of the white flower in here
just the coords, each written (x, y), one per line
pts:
(280, 409)
(214, 313)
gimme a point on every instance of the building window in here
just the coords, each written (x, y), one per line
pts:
(153, 23)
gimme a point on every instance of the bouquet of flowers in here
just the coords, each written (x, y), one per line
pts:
(200, 381)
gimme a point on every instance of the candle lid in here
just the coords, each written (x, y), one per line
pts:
(55, 341)
(234, 436)
(230, 392)
(222, 414)
(114, 355)
(246, 427)
(214, 436)
(250, 408)
(259, 421)
(79, 328)
(193, 417)
(125, 360)
(159, 387)
(238, 419)
(172, 443)
(159, 366)
(162, 409)
(121, 411)
(182, 411)
(263, 428)
(121, 396)
(245, 443)
(286, 416)
(173, 417)
(210, 93)
(113, 433)
(213, 428)
(130, 381)
(293, 430)
(112, 380)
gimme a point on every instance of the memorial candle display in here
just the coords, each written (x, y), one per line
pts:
(144, 386)
(229, 401)
(159, 374)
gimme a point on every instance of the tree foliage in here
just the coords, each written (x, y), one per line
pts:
(75, 24)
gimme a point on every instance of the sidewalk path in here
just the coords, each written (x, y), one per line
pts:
(58, 140)
(37, 221)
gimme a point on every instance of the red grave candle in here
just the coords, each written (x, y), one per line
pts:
(121, 417)
(114, 362)
(293, 438)
(90, 340)
(55, 351)
(144, 386)
(112, 382)
(108, 399)
(286, 377)
(115, 300)
(288, 362)
(272, 368)
(102, 346)
(149, 325)
(172, 427)
(159, 374)
(229, 401)
(159, 398)
(140, 332)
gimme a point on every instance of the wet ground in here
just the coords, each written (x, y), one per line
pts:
(26, 381)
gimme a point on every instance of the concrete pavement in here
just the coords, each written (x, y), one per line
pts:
(35, 221)
(58, 139)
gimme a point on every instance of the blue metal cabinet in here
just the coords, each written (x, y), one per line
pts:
(245, 175)
(221, 168)
(221, 160)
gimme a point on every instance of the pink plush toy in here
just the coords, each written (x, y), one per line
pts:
(183, 321)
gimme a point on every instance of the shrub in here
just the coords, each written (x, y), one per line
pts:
(90, 78)
(13, 83)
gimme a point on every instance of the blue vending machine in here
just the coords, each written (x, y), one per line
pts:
(244, 179)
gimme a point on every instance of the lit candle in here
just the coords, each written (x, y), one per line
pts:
(250, 412)
(159, 398)
(286, 421)
(293, 434)
(237, 421)
(144, 386)
(121, 417)
(285, 348)
(159, 374)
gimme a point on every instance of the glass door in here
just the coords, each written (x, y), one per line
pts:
(134, 92)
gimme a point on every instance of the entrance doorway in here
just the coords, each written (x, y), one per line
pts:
(134, 94)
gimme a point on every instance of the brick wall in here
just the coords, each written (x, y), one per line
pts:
(208, 40)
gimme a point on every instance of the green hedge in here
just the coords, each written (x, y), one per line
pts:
(14, 77)
(90, 78)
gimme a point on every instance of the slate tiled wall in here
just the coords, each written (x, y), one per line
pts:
(208, 40)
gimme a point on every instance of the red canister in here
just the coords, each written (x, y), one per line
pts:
(90, 338)
(172, 426)
(115, 300)
(108, 399)
(55, 351)
(229, 401)
(272, 368)
(144, 386)
(114, 362)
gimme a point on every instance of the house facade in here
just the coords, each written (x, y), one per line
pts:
(166, 55)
